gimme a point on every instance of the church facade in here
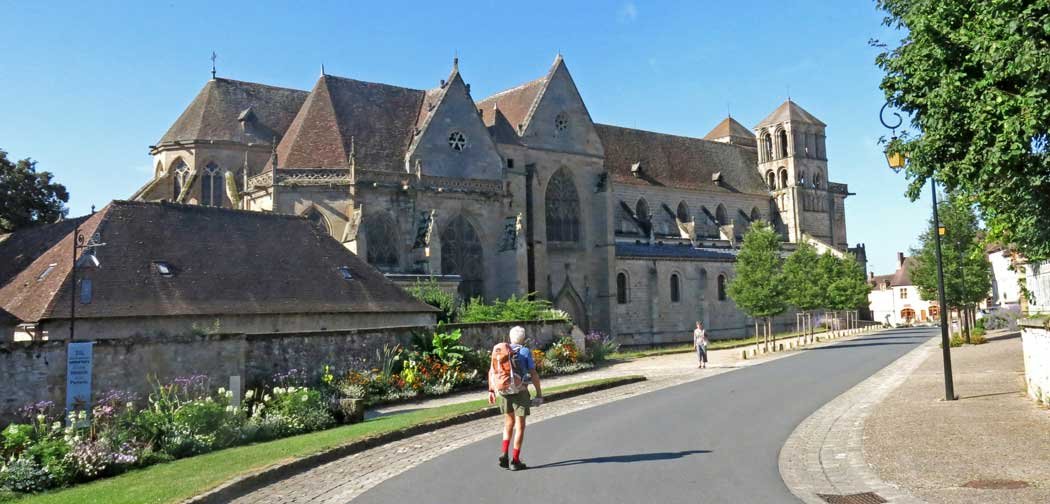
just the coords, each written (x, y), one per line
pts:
(631, 232)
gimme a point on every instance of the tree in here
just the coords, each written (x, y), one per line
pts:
(974, 77)
(967, 271)
(829, 269)
(848, 289)
(757, 288)
(28, 197)
(801, 279)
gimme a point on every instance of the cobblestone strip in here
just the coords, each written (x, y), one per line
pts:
(824, 454)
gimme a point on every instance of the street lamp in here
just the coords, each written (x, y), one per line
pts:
(897, 160)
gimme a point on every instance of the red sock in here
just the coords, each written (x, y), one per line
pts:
(506, 444)
(517, 452)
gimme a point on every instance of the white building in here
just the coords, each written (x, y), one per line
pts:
(1006, 293)
(895, 300)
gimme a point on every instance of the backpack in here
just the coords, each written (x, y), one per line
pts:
(505, 373)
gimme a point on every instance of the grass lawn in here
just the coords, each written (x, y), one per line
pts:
(688, 347)
(181, 479)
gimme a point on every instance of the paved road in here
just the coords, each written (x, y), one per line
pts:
(714, 440)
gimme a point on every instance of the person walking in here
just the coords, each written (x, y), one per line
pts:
(510, 374)
(700, 342)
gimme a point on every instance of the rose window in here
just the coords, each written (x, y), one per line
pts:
(457, 141)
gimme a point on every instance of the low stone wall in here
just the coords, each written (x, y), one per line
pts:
(33, 371)
(1035, 339)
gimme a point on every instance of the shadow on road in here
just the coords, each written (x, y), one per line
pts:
(638, 457)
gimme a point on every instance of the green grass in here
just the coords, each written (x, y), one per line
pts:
(181, 479)
(688, 347)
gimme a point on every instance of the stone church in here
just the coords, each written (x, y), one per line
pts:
(631, 232)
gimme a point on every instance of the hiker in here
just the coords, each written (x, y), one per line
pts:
(700, 342)
(510, 374)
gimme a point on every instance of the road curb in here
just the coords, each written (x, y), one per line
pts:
(824, 454)
(247, 483)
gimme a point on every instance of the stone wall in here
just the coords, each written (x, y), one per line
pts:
(1035, 340)
(36, 371)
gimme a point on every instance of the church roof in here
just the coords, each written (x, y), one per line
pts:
(380, 119)
(212, 254)
(729, 127)
(517, 104)
(19, 249)
(216, 113)
(790, 111)
(679, 162)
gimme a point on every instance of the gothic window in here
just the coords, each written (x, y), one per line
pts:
(563, 208)
(783, 178)
(676, 294)
(381, 240)
(702, 291)
(211, 186)
(816, 180)
(767, 142)
(561, 123)
(457, 141)
(801, 178)
(461, 254)
(624, 223)
(683, 212)
(771, 179)
(755, 214)
(180, 173)
(782, 141)
(641, 210)
(721, 217)
(721, 287)
(621, 288)
(318, 220)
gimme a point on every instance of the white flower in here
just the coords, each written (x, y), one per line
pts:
(278, 390)
(306, 398)
(249, 394)
(222, 390)
(130, 405)
(41, 418)
(266, 398)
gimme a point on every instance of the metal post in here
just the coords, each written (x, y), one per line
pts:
(73, 287)
(949, 389)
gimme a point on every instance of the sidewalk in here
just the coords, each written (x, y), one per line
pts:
(993, 436)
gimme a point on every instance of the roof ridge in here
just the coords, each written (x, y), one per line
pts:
(351, 79)
(217, 79)
(650, 132)
(509, 90)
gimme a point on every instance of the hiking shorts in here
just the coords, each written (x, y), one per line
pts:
(518, 403)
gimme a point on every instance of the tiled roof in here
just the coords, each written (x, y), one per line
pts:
(380, 119)
(19, 249)
(214, 114)
(899, 278)
(514, 104)
(679, 162)
(790, 111)
(729, 127)
(672, 251)
(224, 261)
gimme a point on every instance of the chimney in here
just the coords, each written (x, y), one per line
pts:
(900, 259)
(871, 276)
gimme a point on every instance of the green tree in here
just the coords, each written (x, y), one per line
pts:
(967, 271)
(829, 269)
(28, 197)
(848, 289)
(757, 288)
(974, 77)
(801, 279)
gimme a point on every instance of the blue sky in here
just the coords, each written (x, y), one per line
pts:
(86, 87)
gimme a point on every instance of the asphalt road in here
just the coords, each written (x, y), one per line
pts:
(710, 441)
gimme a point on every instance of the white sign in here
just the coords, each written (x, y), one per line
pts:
(78, 376)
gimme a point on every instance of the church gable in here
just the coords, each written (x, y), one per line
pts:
(559, 119)
(313, 139)
(452, 140)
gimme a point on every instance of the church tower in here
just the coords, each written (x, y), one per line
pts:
(793, 163)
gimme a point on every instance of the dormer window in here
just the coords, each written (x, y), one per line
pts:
(344, 271)
(457, 141)
(164, 269)
(561, 123)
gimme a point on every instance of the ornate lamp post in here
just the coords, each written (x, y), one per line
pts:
(897, 161)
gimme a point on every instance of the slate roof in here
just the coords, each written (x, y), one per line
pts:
(214, 114)
(679, 162)
(790, 111)
(737, 133)
(224, 261)
(380, 119)
(672, 252)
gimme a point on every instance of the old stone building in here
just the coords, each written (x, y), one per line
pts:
(628, 231)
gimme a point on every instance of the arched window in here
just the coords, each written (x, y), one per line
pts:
(315, 217)
(641, 209)
(563, 208)
(935, 311)
(907, 314)
(755, 214)
(702, 291)
(782, 143)
(211, 186)
(621, 288)
(783, 177)
(180, 174)
(816, 180)
(801, 178)
(676, 294)
(663, 223)
(767, 141)
(382, 241)
(721, 287)
(683, 213)
(461, 254)
(721, 217)
(771, 179)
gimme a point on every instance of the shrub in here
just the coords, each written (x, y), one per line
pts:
(431, 293)
(956, 340)
(24, 474)
(446, 347)
(977, 336)
(600, 346)
(512, 309)
(563, 353)
(302, 409)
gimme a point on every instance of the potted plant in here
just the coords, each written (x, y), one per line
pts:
(352, 402)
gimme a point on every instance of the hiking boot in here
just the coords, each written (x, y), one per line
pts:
(503, 461)
(518, 465)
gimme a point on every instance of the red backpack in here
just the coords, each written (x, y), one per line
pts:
(505, 373)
